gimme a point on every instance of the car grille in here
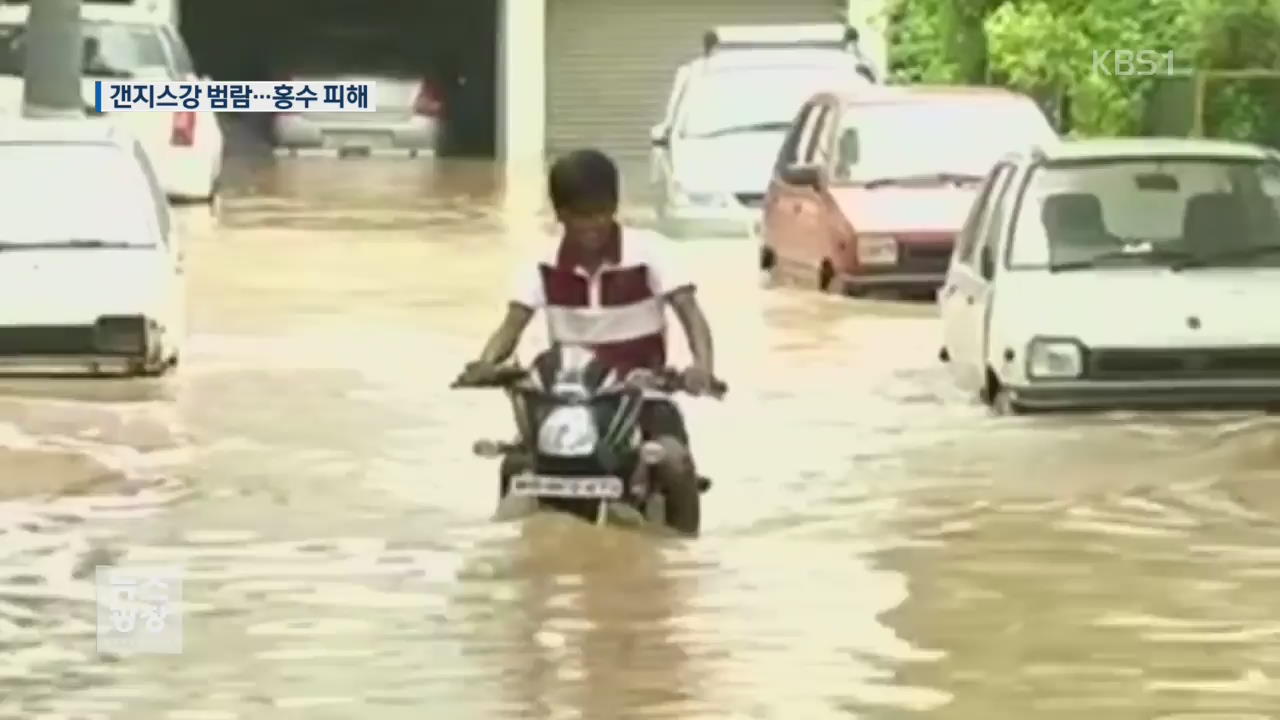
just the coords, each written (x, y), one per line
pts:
(1189, 364)
(123, 336)
(47, 340)
(751, 200)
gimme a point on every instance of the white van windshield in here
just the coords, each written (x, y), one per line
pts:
(1126, 212)
(753, 99)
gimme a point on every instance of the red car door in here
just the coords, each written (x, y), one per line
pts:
(794, 214)
(778, 216)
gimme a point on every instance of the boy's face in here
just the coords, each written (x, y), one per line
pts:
(591, 230)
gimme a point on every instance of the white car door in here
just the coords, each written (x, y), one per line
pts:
(661, 134)
(987, 262)
(964, 286)
(174, 311)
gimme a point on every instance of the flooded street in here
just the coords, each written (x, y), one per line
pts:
(875, 545)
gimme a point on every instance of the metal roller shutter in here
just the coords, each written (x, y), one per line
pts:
(610, 63)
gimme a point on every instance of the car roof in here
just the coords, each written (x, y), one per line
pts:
(91, 12)
(781, 57)
(907, 94)
(1103, 148)
(83, 131)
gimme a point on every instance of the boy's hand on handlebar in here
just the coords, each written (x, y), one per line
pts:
(697, 381)
(474, 371)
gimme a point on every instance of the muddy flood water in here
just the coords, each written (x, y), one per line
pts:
(876, 545)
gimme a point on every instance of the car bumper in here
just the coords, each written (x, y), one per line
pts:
(302, 132)
(1188, 395)
(913, 280)
(116, 345)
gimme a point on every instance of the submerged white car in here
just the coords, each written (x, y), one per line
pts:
(1127, 273)
(132, 42)
(90, 260)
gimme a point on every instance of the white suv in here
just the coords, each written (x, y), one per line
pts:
(132, 42)
(728, 111)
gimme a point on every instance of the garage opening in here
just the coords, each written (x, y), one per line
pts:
(451, 45)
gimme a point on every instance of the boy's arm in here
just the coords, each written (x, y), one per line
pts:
(696, 328)
(504, 341)
(526, 298)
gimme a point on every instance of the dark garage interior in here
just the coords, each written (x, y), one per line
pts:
(450, 42)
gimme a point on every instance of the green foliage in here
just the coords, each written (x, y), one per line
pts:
(1242, 34)
(1047, 43)
(1046, 48)
(916, 38)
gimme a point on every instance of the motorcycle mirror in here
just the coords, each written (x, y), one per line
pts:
(487, 448)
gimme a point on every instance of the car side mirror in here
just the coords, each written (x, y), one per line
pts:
(658, 136)
(986, 262)
(803, 176)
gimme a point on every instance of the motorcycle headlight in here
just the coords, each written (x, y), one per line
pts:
(877, 250)
(1055, 359)
(568, 431)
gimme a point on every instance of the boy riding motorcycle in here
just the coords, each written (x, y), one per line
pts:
(607, 289)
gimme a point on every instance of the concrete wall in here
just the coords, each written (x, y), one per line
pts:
(522, 81)
(522, 99)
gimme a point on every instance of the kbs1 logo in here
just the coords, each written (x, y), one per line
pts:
(1143, 63)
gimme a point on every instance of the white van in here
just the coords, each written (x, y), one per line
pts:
(1121, 273)
(726, 115)
(91, 276)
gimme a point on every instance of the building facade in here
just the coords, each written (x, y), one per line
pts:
(597, 72)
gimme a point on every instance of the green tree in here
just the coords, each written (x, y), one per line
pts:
(1047, 49)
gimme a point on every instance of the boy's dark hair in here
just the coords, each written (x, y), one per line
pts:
(584, 181)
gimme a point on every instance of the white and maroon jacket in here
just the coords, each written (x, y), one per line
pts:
(619, 311)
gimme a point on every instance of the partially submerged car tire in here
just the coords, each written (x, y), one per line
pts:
(996, 397)
(1004, 404)
(767, 259)
(826, 275)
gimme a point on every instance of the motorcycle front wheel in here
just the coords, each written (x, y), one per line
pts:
(683, 507)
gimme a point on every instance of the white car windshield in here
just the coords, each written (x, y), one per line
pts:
(1172, 212)
(73, 194)
(962, 137)
(757, 99)
(111, 49)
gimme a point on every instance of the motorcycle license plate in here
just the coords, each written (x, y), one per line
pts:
(590, 488)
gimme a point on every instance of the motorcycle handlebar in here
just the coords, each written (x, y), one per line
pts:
(667, 380)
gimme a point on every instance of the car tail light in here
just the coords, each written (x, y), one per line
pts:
(428, 100)
(184, 129)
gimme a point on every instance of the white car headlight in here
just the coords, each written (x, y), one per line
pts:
(877, 250)
(1054, 359)
(698, 198)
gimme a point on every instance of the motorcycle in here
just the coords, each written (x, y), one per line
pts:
(580, 443)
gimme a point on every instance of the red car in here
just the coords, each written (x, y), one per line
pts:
(871, 187)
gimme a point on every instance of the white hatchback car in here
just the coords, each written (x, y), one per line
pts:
(129, 41)
(90, 259)
(1125, 273)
